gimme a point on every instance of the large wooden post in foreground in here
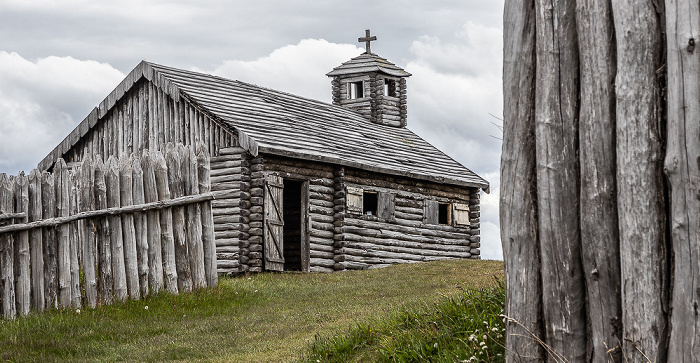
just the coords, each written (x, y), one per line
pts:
(600, 180)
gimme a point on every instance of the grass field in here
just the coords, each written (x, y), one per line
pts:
(261, 318)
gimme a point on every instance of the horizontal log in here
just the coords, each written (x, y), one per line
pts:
(321, 247)
(321, 234)
(321, 210)
(228, 178)
(321, 189)
(326, 182)
(320, 218)
(320, 254)
(320, 269)
(369, 246)
(227, 242)
(431, 230)
(226, 211)
(227, 249)
(322, 203)
(225, 203)
(409, 210)
(321, 241)
(408, 217)
(114, 211)
(6, 216)
(227, 234)
(322, 262)
(374, 260)
(226, 186)
(227, 264)
(228, 219)
(228, 164)
(321, 196)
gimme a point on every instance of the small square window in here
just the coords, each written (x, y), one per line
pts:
(355, 90)
(390, 87)
(443, 213)
(370, 203)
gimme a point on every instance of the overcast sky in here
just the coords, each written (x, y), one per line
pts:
(59, 59)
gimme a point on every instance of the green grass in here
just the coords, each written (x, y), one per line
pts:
(464, 328)
(265, 317)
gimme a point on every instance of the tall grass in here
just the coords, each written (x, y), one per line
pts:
(463, 328)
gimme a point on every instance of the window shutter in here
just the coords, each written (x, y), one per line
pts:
(460, 214)
(385, 207)
(430, 212)
(354, 200)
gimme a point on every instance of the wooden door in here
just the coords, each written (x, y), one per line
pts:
(273, 225)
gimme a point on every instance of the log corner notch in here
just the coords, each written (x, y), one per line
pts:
(590, 176)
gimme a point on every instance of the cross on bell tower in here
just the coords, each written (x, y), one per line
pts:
(367, 38)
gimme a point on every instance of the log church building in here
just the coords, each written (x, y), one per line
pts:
(302, 185)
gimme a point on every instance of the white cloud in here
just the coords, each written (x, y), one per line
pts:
(42, 101)
(299, 69)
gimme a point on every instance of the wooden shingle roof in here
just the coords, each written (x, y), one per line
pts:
(368, 62)
(278, 123)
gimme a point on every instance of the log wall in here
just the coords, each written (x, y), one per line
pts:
(369, 241)
(339, 240)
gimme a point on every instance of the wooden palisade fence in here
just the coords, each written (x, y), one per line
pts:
(101, 232)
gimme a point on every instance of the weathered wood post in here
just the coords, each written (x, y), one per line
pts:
(48, 201)
(36, 245)
(104, 245)
(208, 242)
(63, 237)
(126, 194)
(140, 226)
(75, 238)
(194, 217)
(166, 225)
(7, 269)
(115, 230)
(182, 264)
(23, 288)
(153, 223)
(89, 247)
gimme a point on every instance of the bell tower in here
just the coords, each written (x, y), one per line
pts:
(372, 86)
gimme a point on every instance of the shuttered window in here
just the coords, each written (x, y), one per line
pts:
(460, 214)
(354, 200)
(380, 204)
(431, 212)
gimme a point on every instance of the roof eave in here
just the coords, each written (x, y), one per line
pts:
(331, 160)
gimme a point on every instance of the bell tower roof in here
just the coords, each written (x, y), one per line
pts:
(366, 63)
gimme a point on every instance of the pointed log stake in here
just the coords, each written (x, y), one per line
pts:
(36, 244)
(153, 223)
(7, 273)
(194, 218)
(166, 225)
(104, 246)
(48, 200)
(126, 194)
(184, 274)
(89, 247)
(208, 242)
(115, 230)
(75, 238)
(140, 227)
(63, 236)
(23, 288)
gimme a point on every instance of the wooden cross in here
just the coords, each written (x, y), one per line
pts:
(367, 38)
